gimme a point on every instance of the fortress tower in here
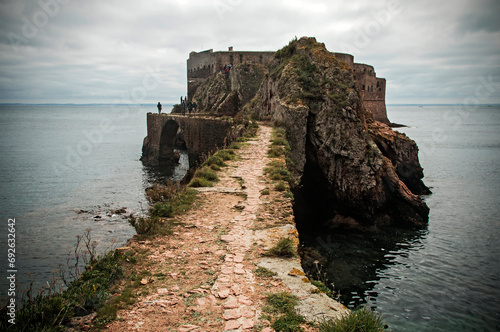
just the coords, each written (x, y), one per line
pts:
(201, 65)
(371, 88)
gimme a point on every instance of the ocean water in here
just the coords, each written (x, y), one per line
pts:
(66, 169)
(62, 166)
(445, 277)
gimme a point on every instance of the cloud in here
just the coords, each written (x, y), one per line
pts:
(99, 51)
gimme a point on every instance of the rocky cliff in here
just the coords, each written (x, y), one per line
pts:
(359, 171)
(223, 95)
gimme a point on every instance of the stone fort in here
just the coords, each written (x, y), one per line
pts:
(201, 65)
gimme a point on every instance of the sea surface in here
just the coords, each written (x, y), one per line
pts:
(62, 166)
(445, 277)
(66, 169)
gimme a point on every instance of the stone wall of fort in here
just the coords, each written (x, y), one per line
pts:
(372, 90)
(206, 63)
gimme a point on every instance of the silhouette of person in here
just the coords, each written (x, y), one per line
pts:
(159, 107)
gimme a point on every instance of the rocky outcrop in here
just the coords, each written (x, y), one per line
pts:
(223, 95)
(362, 173)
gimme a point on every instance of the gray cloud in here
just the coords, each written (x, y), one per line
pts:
(102, 51)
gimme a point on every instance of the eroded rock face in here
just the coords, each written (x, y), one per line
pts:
(223, 95)
(361, 172)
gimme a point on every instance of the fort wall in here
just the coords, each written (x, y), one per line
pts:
(206, 63)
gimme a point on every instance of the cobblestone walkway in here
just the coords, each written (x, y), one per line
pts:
(203, 277)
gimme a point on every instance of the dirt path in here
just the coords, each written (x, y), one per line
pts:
(204, 276)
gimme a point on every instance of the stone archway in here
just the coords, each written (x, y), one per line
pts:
(168, 141)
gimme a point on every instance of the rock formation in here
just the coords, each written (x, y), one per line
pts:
(361, 172)
(225, 96)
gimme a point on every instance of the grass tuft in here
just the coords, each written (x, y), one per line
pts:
(284, 248)
(264, 273)
(281, 310)
(361, 319)
(204, 177)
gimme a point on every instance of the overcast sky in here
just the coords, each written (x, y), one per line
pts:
(121, 51)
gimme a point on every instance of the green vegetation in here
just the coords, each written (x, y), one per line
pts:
(322, 288)
(361, 319)
(162, 210)
(284, 248)
(280, 186)
(145, 225)
(167, 201)
(277, 170)
(301, 57)
(280, 310)
(49, 310)
(204, 177)
(88, 289)
(288, 50)
(309, 79)
(264, 273)
(275, 151)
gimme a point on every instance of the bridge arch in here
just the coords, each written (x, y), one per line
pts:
(168, 140)
(197, 135)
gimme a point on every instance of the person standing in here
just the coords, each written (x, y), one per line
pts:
(159, 107)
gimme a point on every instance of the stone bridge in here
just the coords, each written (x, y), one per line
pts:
(198, 135)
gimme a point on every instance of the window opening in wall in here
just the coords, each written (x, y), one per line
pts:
(363, 87)
(241, 58)
(230, 59)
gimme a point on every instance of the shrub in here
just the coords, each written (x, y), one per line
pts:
(162, 210)
(145, 225)
(280, 186)
(288, 50)
(184, 201)
(361, 319)
(48, 312)
(159, 193)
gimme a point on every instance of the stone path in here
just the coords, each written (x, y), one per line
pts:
(236, 280)
(202, 278)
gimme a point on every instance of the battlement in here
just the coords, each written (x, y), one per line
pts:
(205, 63)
